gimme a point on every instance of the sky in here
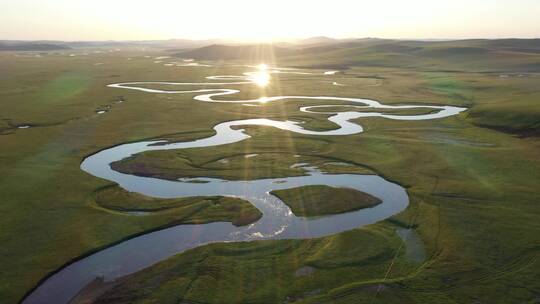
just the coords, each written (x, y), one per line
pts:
(267, 20)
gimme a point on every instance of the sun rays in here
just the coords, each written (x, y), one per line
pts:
(261, 77)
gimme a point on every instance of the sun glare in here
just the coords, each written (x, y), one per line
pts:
(261, 77)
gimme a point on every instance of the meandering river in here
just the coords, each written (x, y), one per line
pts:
(278, 222)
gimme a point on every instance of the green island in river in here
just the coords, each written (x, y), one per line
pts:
(320, 200)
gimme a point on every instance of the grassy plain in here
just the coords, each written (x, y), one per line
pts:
(473, 190)
(195, 210)
(319, 200)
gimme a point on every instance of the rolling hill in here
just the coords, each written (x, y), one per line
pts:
(478, 55)
(31, 46)
(232, 52)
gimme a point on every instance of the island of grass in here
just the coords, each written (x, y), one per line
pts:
(317, 200)
(189, 210)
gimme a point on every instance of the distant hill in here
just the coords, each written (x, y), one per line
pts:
(473, 55)
(479, 55)
(232, 52)
(30, 46)
(317, 40)
(178, 44)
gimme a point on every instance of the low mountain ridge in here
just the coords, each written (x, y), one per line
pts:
(233, 52)
(31, 46)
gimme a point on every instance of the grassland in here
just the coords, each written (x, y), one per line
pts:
(319, 200)
(194, 210)
(473, 190)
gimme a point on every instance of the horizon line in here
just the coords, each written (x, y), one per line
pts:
(273, 41)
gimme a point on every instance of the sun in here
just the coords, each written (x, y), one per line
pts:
(261, 77)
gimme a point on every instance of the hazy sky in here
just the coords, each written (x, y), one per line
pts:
(266, 19)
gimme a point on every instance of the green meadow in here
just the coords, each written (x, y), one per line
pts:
(472, 179)
(312, 200)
